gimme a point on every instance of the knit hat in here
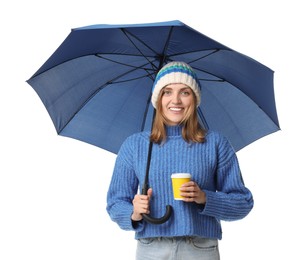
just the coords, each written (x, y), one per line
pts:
(176, 72)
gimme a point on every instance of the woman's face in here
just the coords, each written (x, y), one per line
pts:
(175, 100)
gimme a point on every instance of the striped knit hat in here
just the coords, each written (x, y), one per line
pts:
(176, 72)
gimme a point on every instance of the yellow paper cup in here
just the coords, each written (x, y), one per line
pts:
(178, 179)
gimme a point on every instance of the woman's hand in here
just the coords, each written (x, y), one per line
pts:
(141, 205)
(191, 192)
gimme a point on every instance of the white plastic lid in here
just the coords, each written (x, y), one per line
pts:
(180, 175)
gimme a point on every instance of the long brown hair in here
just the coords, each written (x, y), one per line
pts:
(192, 130)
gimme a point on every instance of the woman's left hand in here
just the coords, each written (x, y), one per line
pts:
(191, 192)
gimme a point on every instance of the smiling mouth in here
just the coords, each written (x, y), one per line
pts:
(176, 109)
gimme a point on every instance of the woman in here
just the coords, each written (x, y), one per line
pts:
(216, 191)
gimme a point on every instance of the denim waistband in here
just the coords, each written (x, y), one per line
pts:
(173, 239)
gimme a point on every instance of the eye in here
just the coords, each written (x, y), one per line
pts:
(185, 92)
(167, 92)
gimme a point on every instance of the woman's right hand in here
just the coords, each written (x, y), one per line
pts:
(141, 205)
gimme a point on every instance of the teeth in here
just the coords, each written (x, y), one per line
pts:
(175, 108)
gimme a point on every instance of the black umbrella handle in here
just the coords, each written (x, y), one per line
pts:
(145, 186)
(160, 220)
(153, 220)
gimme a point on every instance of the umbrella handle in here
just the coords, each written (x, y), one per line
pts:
(160, 220)
(145, 188)
(153, 220)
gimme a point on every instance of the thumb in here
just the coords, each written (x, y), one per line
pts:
(149, 193)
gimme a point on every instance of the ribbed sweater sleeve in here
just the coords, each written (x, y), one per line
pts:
(123, 187)
(231, 200)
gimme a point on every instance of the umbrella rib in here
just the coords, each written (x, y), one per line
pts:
(213, 51)
(127, 33)
(161, 56)
(125, 64)
(149, 74)
(122, 54)
(109, 82)
(200, 58)
(127, 80)
(202, 118)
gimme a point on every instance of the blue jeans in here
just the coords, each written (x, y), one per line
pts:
(177, 248)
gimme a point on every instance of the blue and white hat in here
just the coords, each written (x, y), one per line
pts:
(176, 72)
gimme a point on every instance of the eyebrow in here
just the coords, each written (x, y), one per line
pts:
(184, 88)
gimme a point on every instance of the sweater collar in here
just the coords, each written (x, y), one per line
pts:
(174, 130)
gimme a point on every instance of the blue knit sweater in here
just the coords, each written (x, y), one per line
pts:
(213, 165)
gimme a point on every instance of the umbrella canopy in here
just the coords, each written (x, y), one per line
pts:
(97, 85)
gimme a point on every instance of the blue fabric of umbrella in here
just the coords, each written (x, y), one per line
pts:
(97, 85)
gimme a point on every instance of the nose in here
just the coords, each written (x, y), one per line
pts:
(176, 98)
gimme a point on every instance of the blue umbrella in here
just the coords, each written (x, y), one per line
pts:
(97, 85)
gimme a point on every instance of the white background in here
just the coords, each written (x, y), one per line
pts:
(53, 189)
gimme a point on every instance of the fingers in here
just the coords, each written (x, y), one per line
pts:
(191, 192)
(190, 187)
(141, 204)
(141, 201)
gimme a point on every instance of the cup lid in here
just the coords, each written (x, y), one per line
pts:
(180, 175)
